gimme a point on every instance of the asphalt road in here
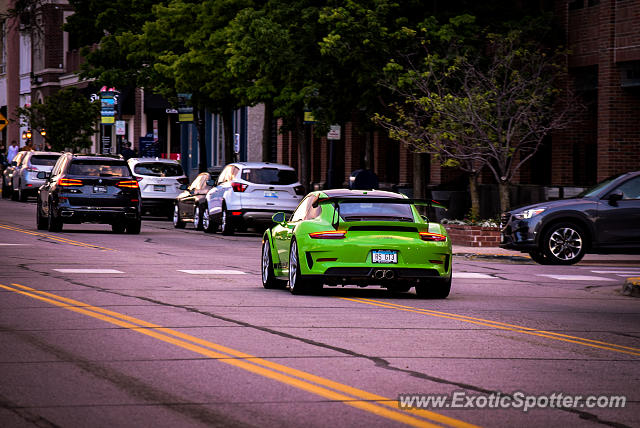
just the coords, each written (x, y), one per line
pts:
(172, 328)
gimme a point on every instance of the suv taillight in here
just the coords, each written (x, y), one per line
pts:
(239, 187)
(129, 184)
(299, 190)
(183, 180)
(69, 182)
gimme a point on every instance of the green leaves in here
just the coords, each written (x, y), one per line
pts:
(69, 118)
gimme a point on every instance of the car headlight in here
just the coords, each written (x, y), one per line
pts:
(529, 213)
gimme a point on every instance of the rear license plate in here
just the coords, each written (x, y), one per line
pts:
(268, 194)
(159, 188)
(99, 189)
(384, 256)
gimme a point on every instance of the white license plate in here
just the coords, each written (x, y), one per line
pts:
(269, 194)
(99, 189)
(384, 256)
(159, 188)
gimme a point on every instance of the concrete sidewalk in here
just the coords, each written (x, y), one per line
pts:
(502, 254)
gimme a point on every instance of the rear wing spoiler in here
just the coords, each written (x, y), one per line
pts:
(363, 200)
(336, 200)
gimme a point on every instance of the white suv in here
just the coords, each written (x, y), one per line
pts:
(249, 193)
(25, 181)
(159, 180)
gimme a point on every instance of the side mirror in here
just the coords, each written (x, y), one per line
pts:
(183, 187)
(13, 163)
(43, 175)
(615, 197)
(279, 217)
(211, 183)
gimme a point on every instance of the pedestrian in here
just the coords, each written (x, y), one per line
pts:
(27, 147)
(127, 152)
(12, 151)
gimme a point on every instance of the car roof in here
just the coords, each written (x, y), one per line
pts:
(97, 157)
(341, 193)
(262, 165)
(45, 153)
(152, 159)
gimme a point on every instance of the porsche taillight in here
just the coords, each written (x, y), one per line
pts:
(329, 234)
(433, 237)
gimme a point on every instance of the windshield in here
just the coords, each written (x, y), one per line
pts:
(360, 211)
(269, 176)
(158, 169)
(99, 168)
(592, 191)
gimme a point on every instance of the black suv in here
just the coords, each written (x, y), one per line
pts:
(89, 189)
(603, 219)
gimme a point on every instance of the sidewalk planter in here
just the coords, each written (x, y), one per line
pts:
(473, 236)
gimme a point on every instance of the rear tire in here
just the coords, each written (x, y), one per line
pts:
(14, 194)
(118, 228)
(5, 190)
(538, 257)
(54, 224)
(298, 284)
(41, 221)
(438, 289)
(22, 195)
(177, 221)
(133, 227)
(225, 223)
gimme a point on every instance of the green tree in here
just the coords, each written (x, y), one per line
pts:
(68, 117)
(492, 111)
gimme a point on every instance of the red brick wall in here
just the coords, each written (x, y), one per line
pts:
(473, 236)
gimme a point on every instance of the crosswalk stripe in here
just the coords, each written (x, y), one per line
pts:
(576, 277)
(212, 272)
(88, 271)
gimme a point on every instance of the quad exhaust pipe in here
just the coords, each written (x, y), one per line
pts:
(383, 274)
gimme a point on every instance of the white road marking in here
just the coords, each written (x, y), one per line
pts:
(213, 272)
(472, 275)
(577, 277)
(618, 272)
(12, 244)
(88, 271)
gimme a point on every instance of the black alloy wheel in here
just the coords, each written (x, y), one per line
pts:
(133, 227)
(564, 244)
(54, 223)
(118, 227)
(42, 222)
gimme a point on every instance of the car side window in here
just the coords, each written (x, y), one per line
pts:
(224, 175)
(197, 183)
(301, 212)
(58, 166)
(630, 189)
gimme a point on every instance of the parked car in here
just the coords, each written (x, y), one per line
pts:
(603, 219)
(248, 194)
(89, 188)
(9, 172)
(189, 204)
(160, 181)
(341, 237)
(25, 177)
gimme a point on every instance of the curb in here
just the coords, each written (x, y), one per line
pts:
(631, 287)
(473, 256)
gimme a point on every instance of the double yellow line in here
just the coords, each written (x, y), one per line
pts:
(331, 390)
(55, 238)
(501, 326)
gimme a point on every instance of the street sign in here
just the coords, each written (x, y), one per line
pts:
(334, 132)
(3, 122)
(120, 127)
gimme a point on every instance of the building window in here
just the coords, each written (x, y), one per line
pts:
(3, 51)
(576, 4)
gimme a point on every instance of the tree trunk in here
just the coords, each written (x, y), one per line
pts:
(227, 124)
(503, 189)
(303, 151)
(202, 141)
(475, 197)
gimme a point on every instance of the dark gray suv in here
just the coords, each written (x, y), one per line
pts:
(603, 219)
(89, 189)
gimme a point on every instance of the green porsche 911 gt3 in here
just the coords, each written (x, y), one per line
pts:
(357, 237)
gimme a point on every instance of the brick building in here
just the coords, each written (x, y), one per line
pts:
(604, 68)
